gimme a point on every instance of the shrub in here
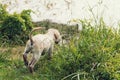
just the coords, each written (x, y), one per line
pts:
(15, 28)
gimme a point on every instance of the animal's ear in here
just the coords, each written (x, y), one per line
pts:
(55, 36)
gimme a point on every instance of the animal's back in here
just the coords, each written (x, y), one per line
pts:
(44, 41)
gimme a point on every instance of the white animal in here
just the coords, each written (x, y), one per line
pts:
(40, 43)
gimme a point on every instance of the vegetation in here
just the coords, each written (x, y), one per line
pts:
(14, 28)
(95, 55)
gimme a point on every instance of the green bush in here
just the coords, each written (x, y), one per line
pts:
(98, 45)
(25, 14)
(16, 27)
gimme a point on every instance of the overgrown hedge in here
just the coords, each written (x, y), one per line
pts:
(14, 28)
(95, 56)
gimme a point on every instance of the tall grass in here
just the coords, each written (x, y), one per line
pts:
(94, 56)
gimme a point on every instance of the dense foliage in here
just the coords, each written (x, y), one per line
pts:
(15, 27)
(94, 56)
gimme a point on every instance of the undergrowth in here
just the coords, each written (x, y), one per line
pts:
(91, 54)
(94, 56)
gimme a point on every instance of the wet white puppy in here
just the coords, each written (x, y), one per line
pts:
(40, 43)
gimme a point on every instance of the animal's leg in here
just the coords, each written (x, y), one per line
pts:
(50, 53)
(33, 62)
(27, 50)
(31, 65)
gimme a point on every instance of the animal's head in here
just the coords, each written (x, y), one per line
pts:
(56, 34)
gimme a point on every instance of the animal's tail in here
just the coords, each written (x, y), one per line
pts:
(30, 36)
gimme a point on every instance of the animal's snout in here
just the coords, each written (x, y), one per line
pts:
(56, 42)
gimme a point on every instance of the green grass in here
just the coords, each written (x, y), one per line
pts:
(94, 56)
